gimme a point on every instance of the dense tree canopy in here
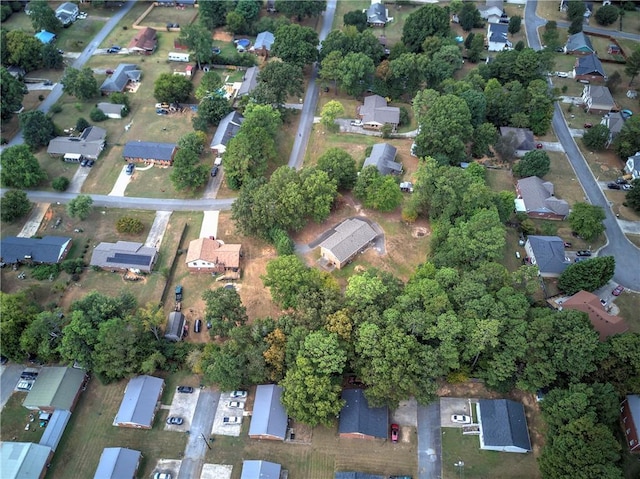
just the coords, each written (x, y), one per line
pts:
(586, 220)
(22, 49)
(533, 163)
(17, 311)
(197, 38)
(11, 93)
(627, 142)
(170, 88)
(301, 8)
(79, 83)
(37, 128)
(587, 275)
(224, 311)
(633, 195)
(276, 82)
(428, 21)
(20, 169)
(340, 166)
(43, 17)
(13, 205)
(296, 44)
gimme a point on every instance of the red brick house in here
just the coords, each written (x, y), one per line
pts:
(209, 255)
(630, 419)
(145, 42)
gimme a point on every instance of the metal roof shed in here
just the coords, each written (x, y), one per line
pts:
(260, 470)
(118, 463)
(55, 428)
(175, 326)
(269, 420)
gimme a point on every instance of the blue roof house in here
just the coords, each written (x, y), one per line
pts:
(47, 250)
(503, 426)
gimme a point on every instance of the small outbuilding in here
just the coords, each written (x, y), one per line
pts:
(111, 110)
(140, 402)
(24, 460)
(57, 387)
(358, 420)
(260, 470)
(175, 326)
(349, 238)
(118, 463)
(503, 426)
(45, 37)
(269, 419)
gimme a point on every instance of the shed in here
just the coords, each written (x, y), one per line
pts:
(47, 250)
(358, 420)
(45, 36)
(24, 460)
(140, 402)
(55, 428)
(57, 387)
(503, 426)
(269, 419)
(350, 237)
(175, 326)
(118, 463)
(260, 470)
(383, 157)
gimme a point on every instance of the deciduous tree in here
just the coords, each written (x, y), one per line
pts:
(23, 50)
(470, 17)
(20, 169)
(277, 81)
(596, 138)
(17, 311)
(296, 44)
(514, 24)
(211, 110)
(209, 85)
(43, 17)
(197, 38)
(170, 88)
(12, 93)
(587, 275)
(357, 18)
(632, 67)
(533, 163)
(187, 171)
(37, 128)
(627, 142)
(13, 205)
(633, 195)
(340, 166)
(428, 21)
(301, 8)
(330, 112)
(551, 36)
(80, 207)
(212, 14)
(586, 220)
(607, 14)
(79, 83)
(224, 310)
(356, 73)
(287, 277)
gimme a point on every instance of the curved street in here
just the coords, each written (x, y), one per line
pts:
(618, 246)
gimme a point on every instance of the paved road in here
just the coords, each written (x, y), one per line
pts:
(627, 255)
(429, 441)
(604, 31)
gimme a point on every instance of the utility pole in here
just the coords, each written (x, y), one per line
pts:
(205, 440)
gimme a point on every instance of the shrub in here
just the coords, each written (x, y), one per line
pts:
(97, 115)
(284, 245)
(43, 272)
(55, 108)
(404, 116)
(72, 266)
(61, 183)
(16, 6)
(81, 124)
(5, 12)
(127, 224)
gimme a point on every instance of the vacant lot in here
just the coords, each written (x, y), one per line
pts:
(159, 16)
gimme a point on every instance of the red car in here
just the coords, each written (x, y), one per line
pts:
(617, 291)
(539, 146)
(395, 429)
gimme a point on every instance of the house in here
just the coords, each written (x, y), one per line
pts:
(111, 110)
(492, 11)
(598, 99)
(57, 387)
(118, 463)
(535, 198)
(149, 152)
(271, 6)
(24, 460)
(350, 238)
(604, 323)
(358, 420)
(88, 145)
(140, 402)
(16, 72)
(175, 326)
(228, 127)
(503, 426)
(497, 34)
(382, 157)
(120, 78)
(124, 255)
(614, 121)
(375, 113)
(55, 428)
(356, 475)
(260, 470)
(547, 253)
(145, 42)
(262, 45)
(579, 44)
(67, 13)
(630, 419)
(269, 419)
(209, 255)
(249, 81)
(589, 68)
(45, 37)
(377, 14)
(632, 166)
(523, 136)
(47, 250)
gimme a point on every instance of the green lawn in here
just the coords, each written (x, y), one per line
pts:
(629, 304)
(14, 419)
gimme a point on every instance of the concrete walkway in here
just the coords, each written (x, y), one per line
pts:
(30, 228)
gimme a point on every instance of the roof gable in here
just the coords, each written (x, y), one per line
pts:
(498, 33)
(633, 401)
(124, 254)
(117, 463)
(524, 137)
(382, 157)
(537, 196)
(145, 40)
(149, 150)
(599, 96)
(49, 249)
(504, 424)
(579, 42)
(377, 13)
(376, 110)
(589, 65)
(603, 322)
(214, 251)
(139, 401)
(349, 237)
(549, 253)
(55, 428)
(357, 417)
(269, 416)
(249, 81)
(55, 388)
(120, 77)
(264, 40)
(228, 127)
(260, 470)
(23, 460)
(90, 143)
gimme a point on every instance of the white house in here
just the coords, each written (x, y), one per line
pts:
(497, 34)
(632, 166)
(67, 13)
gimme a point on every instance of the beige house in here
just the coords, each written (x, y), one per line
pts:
(375, 113)
(350, 238)
(209, 255)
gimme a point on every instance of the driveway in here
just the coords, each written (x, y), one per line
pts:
(81, 174)
(32, 224)
(429, 442)
(183, 405)
(159, 226)
(122, 182)
(223, 410)
(209, 224)
(451, 406)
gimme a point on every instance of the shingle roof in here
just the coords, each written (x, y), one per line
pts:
(145, 40)
(55, 388)
(382, 157)
(124, 254)
(498, 32)
(139, 401)
(504, 423)
(537, 196)
(228, 127)
(55, 428)
(524, 137)
(108, 108)
(603, 322)
(600, 96)
(23, 460)
(269, 416)
(264, 40)
(175, 326)
(214, 251)
(149, 150)
(89, 144)
(377, 13)
(350, 237)
(614, 121)
(120, 77)
(375, 110)
(260, 470)
(549, 253)
(249, 82)
(67, 7)
(357, 417)
(579, 42)
(589, 65)
(40, 250)
(632, 165)
(117, 463)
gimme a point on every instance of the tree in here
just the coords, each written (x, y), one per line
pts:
(330, 111)
(357, 18)
(37, 128)
(187, 172)
(12, 93)
(224, 310)
(632, 67)
(477, 104)
(380, 192)
(209, 85)
(197, 38)
(575, 26)
(533, 163)
(428, 21)
(301, 8)
(506, 146)
(596, 138)
(586, 220)
(211, 110)
(551, 36)
(476, 48)
(42, 336)
(43, 17)
(17, 312)
(193, 141)
(170, 88)
(287, 278)
(607, 15)
(469, 17)
(340, 166)
(79, 83)
(588, 275)
(129, 225)
(576, 10)
(13, 205)
(247, 155)
(277, 81)
(212, 14)
(295, 44)
(23, 50)
(330, 67)
(82, 124)
(514, 24)
(633, 195)
(80, 207)
(20, 169)
(614, 81)
(627, 142)
(51, 57)
(484, 136)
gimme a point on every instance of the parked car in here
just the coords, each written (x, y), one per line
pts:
(356, 123)
(90, 163)
(162, 111)
(539, 146)
(238, 394)
(583, 252)
(114, 49)
(562, 74)
(614, 186)
(162, 105)
(603, 302)
(627, 187)
(626, 114)
(588, 125)
(395, 429)
(109, 71)
(162, 475)
(235, 405)
(618, 291)
(197, 326)
(29, 375)
(185, 389)
(179, 293)
(460, 419)
(567, 244)
(84, 162)
(231, 420)
(214, 171)
(175, 420)
(4, 360)
(130, 168)
(621, 181)
(215, 50)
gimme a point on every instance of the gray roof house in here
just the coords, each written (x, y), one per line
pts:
(491, 11)
(375, 113)
(175, 326)
(121, 76)
(383, 157)
(377, 15)
(503, 426)
(262, 45)
(124, 255)
(249, 81)
(118, 463)
(269, 419)
(67, 13)
(228, 127)
(535, 198)
(56, 388)
(55, 428)
(497, 37)
(350, 237)
(614, 121)
(547, 253)
(149, 152)
(358, 420)
(50, 249)
(112, 110)
(598, 99)
(579, 44)
(632, 166)
(260, 470)
(589, 67)
(24, 460)
(524, 138)
(88, 145)
(356, 475)
(140, 402)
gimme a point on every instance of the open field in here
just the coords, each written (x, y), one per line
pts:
(159, 16)
(566, 185)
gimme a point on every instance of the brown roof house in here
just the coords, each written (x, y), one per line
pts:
(547, 253)
(149, 152)
(630, 419)
(598, 99)
(209, 255)
(349, 238)
(589, 68)
(603, 322)
(535, 198)
(523, 136)
(145, 42)
(124, 255)
(375, 113)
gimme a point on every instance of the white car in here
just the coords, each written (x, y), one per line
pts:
(356, 123)
(562, 74)
(235, 405)
(460, 419)
(231, 421)
(238, 394)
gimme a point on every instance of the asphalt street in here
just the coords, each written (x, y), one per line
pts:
(429, 441)
(627, 255)
(9, 377)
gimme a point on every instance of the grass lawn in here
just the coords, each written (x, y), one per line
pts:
(500, 180)
(629, 304)
(566, 185)
(159, 16)
(480, 464)
(14, 419)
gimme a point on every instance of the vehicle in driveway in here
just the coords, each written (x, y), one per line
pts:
(356, 123)
(175, 420)
(114, 49)
(84, 162)
(162, 111)
(460, 419)
(162, 475)
(583, 252)
(4, 360)
(214, 171)
(231, 420)
(130, 168)
(185, 389)
(395, 429)
(235, 405)
(627, 187)
(621, 181)
(238, 394)
(614, 186)
(90, 163)
(618, 291)
(197, 326)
